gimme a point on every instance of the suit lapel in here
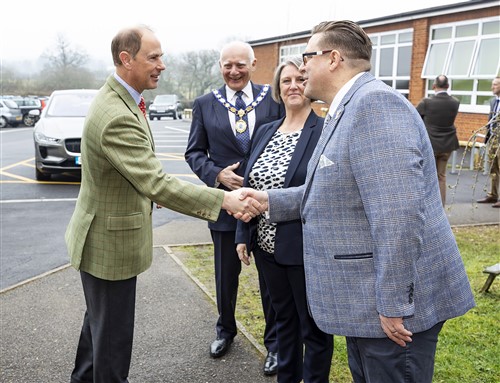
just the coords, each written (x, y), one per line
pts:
(222, 122)
(330, 128)
(134, 108)
(300, 149)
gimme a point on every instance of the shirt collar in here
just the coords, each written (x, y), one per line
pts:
(247, 92)
(135, 94)
(341, 93)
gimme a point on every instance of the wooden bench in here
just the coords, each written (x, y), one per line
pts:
(493, 271)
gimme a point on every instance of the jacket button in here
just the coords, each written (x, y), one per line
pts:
(303, 221)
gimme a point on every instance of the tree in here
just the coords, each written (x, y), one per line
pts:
(65, 67)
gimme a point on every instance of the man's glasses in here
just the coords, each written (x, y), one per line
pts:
(309, 55)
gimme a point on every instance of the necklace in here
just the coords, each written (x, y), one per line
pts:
(240, 124)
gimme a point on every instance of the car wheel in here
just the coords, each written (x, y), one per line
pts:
(28, 121)
(151, 118)
(3, 122)
(41, 176)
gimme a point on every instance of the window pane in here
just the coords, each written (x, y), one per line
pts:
(461, 58)
(483, 100)
(406, 37)
(404, 61)
(374, 40)
(462, 85)
(466, 30)
(387, 82)
(488, 57)
(464, 99)
(491, 27)
(402, 84)
(441, 33)
(386, 61)
(484, 85)
(436, 59)
(373, 61)
(429, 84)
(387, 39)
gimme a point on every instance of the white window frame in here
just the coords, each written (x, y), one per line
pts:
(469, 75)
(286, 55)
(377, 46)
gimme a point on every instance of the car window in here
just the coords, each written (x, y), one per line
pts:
(10, 104)
(165, 99)
(70, 105)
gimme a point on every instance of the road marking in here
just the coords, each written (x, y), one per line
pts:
(39, 200)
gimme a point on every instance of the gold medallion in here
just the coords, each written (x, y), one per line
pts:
(241, 113)
(240, 126)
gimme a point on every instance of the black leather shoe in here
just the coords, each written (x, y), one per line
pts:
(271, 363)
(487, 199)
(219, 347)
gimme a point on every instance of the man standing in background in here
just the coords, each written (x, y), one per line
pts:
(492, 137)
(219, 143)
(439, 113)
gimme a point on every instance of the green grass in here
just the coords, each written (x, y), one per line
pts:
(468, 349)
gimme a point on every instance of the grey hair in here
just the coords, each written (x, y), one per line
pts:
(276, 91)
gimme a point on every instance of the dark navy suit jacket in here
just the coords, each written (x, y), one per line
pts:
(212, 145)
(288, 243)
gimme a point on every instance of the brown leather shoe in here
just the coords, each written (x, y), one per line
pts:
(487, 199)
(496, 204)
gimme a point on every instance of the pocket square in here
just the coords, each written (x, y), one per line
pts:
(324, 161)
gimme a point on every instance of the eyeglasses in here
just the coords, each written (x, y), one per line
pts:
(309, 55)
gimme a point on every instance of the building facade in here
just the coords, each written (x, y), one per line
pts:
(410, 49)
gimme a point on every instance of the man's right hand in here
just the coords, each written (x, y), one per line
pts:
(229, 178)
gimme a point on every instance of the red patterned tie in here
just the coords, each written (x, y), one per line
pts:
(142, 106)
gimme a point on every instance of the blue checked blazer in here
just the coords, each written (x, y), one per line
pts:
(376, 237)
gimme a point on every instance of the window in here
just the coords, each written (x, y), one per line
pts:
(391, 58)
(291, 50)
(468, 53)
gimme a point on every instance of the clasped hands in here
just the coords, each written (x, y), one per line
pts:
(242, 203)
(245, 203)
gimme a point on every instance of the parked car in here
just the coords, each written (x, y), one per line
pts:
(26, 104)
(57, 135)
(10, 114)
(165, 105)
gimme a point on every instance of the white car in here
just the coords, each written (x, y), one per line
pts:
(58, 132)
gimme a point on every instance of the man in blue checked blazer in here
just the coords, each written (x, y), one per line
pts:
(381, 262)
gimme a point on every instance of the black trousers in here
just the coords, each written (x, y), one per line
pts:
(227, 271)
(304, 351)
(380, 360)
(105, 347)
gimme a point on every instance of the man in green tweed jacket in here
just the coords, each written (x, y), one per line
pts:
(109, 237)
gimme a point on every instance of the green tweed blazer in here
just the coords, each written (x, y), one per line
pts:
(110, 232)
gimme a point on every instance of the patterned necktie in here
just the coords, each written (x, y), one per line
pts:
(243, 137)
(142, 106)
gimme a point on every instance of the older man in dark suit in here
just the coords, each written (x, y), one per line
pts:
(439, 113)
(224, 122)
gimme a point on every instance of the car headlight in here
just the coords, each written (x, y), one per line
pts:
(152, 107)
(43, 139)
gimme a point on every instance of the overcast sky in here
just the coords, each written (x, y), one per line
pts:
(30, 27)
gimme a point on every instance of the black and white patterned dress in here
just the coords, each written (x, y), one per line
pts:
(268, 172)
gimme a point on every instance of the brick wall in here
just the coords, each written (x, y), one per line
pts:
(268, 58)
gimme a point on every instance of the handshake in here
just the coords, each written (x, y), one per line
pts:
(245, 203)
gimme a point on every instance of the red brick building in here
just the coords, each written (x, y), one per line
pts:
(410, 49)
